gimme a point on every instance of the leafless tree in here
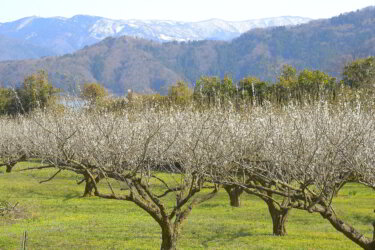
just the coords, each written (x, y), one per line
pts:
(169, 161)
(249, 135)
(145, 157)
(12, 150)
(307, 156)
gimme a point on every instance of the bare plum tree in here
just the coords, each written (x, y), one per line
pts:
(169, 161)
(250, 132)
(149, 158)
(308, 156)
(12, 150)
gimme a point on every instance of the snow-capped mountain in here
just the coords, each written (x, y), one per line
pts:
(164, 30)
(66, 35)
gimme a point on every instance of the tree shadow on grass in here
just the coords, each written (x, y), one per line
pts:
(365, 219)
(51, 195)
(34, 160)
(72, 196)
(240, 234)
(232, 236)
(213, 205)
(35, 194)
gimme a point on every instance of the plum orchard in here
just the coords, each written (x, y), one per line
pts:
(167, 162)
(133, 149)
(12, 149)
(305, 156)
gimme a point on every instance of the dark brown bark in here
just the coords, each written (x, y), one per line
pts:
(88, 189)
(89, 186)
(349, 231)
(234, 193)
(141, 194)
(9, 168)
(169, 238)
(279, 218)
(279, 213)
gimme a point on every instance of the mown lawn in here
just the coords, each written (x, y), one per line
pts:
(56, 217)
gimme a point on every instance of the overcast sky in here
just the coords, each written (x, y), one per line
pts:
(186, 10)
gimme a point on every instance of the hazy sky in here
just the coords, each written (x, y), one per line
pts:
(186, 10)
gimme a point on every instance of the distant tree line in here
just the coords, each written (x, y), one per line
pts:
(306, 86)
(35, 92)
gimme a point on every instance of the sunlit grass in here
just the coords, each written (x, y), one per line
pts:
(57, 217)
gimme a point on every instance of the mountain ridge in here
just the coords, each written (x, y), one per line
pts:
(148, 66)
(13, 49)
(66, 35)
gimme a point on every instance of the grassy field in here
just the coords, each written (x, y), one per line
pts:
(56, 217)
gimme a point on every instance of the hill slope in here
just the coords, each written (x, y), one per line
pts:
(66, 35)
(13, 49)
(146, 66)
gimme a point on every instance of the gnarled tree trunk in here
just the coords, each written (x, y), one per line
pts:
(169, 237)
(279, 213)
(279, 217)
(349, 231)
(234, 193)
(9, 168)
(89, 186)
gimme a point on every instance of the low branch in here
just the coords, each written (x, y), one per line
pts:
(264, 197)
(161, 180)
(37, 168)
(194, 203)
(168, 191)
(114, 197)
(81, 181)
(53, 176)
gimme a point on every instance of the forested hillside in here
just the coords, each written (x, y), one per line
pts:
(146, 66)
(13, 49)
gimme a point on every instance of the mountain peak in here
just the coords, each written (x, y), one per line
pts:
(84, 17)
(66, 35)
(122, 63)
(25, 21)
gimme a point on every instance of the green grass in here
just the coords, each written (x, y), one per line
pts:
(56, 217)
